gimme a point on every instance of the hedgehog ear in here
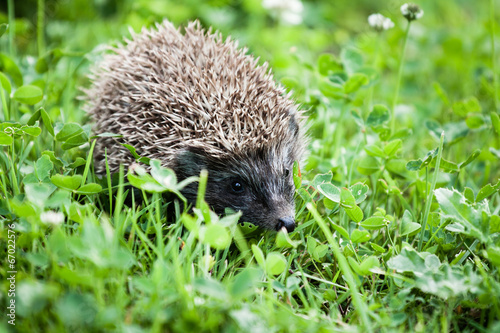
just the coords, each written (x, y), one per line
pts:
(189, 163)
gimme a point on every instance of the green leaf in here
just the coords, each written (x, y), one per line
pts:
(331, 89)
(283, 240)
(330, 191)
(411, 261)
(211, 288)
(485, 192)
(414, 165)
(68, 130)
(145, 182)
(91, 188)
(354, 265)
(28, 94)
(78, 162)
(164, 176)
(244, 283)
(357, 118)
(297, 177)
(377, 247)
(355, 213)
(190, 223)
(275, 263)
(339, 229)
(470, 159)
(368, 165)
(34, 118)
(69, 183)
(3, 28)
(445, 165)
(328, 64)
(290, 83)
(259, 256)
(392, 147)
(378, 116)
(217, 236)
(454, 206)
(348, 202)
(31, 130)
(469, 194)
(469, 105)
(360, 236)
(51, 58)
(494, 224)
(359, 192)
(474, 121)
(311, 243)
(408, 227)
(5, 139)
(46, 121)
(441, 93)
(38, 193)
(43, 167)
(56, 160)
(351, 59)
(132, 150)
(374, 150)
(319, 252)
(368, 264)
(494, 255)
(495, 122)
(5, 83)
(374, 223)
(75, 141)
(322, 178)
(355, 82)
(8, 66)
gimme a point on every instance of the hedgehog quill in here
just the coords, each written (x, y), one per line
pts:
(196, 101)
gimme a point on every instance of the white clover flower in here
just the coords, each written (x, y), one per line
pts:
(290, 11)
(379, 22)
(51, 217)
(411, 11)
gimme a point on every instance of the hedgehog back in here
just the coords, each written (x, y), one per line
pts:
(165, 91)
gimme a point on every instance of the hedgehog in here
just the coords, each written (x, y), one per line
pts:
(195, 101)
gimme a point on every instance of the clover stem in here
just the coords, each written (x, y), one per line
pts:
(39, 27)
(493, 65)
(12, 25)
(398, 82)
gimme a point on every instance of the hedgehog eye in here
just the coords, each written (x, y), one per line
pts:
(237, 186)
(287, 173)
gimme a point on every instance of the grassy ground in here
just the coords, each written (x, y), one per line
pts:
(397, 207)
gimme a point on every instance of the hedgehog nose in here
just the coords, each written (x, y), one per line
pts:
(287, 222)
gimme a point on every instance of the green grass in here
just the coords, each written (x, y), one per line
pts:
(397, 206)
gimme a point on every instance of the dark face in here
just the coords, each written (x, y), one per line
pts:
(260, 186)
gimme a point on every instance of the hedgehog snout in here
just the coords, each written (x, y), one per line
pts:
(287, 222)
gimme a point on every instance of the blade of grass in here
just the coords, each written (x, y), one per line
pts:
(431, 192)
(361, 307)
